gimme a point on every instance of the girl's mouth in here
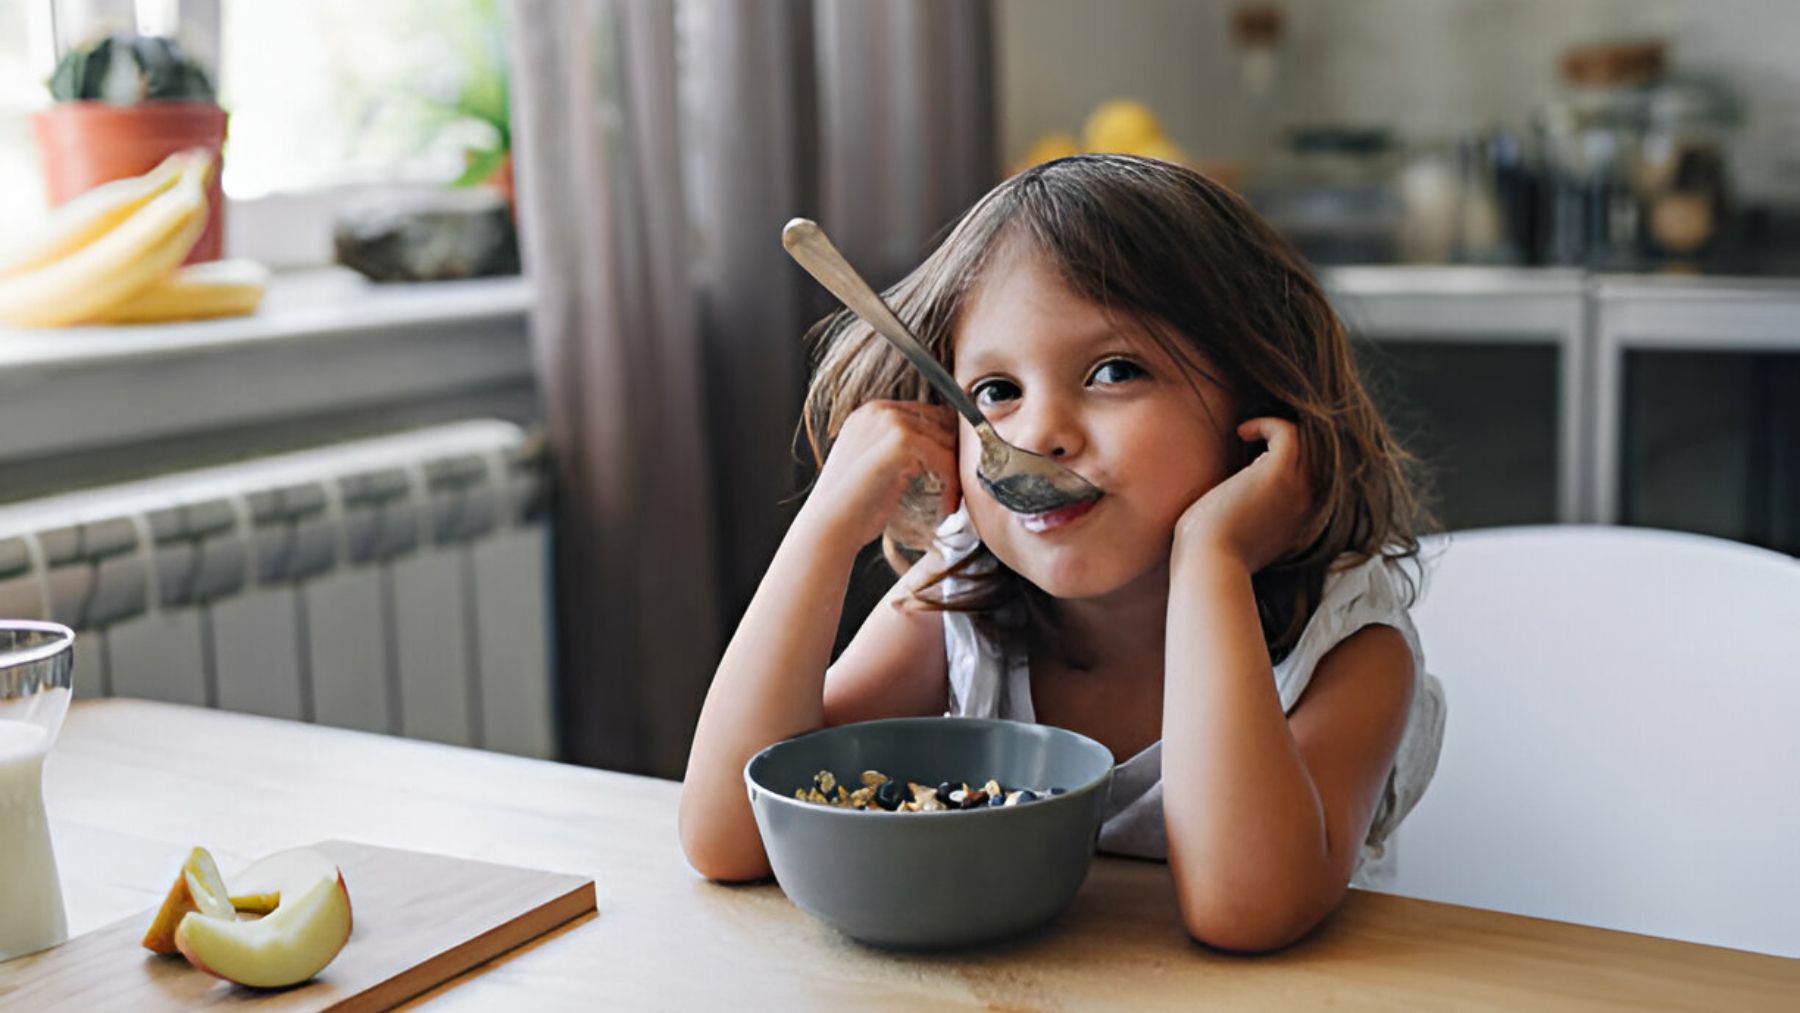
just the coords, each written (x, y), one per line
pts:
(1050, 520)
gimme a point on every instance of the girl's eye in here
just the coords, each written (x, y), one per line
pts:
(991, 392)
(1117, 371)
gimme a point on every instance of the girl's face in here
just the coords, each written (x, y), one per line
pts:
(1056, 375)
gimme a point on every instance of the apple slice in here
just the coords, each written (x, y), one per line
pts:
(295, 942)
(198, 887)
(259, 888)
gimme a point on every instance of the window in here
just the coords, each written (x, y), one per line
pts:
(25, 63)
(327, 97)
(327, 93)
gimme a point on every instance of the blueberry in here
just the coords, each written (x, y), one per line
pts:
(944, 791)
(890, 795)
(996, 799)
(1027, 795)
(1058, 791)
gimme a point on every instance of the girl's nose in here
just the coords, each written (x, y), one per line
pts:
(1045, 425)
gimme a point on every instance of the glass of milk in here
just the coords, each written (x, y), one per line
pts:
(36, 663)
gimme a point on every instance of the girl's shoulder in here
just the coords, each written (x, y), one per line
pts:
(1358, 592)
(1380, 581)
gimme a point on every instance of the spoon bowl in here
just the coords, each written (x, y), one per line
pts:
(1021, 481)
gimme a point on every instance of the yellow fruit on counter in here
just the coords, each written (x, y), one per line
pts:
(1159, 148)
(1121, 126)
(88, 217)
(1048, 148)
(140, 251)
(220, 288)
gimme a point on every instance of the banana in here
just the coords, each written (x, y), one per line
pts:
(221, 288)
(88, 217)
(141, 251)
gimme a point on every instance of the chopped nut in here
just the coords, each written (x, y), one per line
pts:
(927, 799)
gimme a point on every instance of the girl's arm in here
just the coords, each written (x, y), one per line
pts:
(770, 684)
(1266, 813)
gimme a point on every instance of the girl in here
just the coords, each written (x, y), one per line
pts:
(1229, 618)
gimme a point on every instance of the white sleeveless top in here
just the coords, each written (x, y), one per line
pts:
(986, 680)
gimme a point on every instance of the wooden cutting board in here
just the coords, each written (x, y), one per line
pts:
(420, 920)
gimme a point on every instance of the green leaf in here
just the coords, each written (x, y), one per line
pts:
(484, 97)
(482, 165)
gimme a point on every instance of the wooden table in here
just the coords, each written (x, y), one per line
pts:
(132, 785)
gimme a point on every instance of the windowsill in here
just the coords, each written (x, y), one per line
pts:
(298, 306)
(323, 341)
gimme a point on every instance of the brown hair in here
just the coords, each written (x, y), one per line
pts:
(1219, 290)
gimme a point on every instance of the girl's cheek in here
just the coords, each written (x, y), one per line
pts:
(967, 463)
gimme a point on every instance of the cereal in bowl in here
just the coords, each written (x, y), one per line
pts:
(879, 791)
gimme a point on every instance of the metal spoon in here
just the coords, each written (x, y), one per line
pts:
(1020, 480)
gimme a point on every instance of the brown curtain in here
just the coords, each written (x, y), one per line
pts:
(659, 147)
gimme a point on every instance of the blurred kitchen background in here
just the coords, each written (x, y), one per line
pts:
(1567, 233)
(1625, 175)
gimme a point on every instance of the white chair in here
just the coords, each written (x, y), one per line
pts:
(1622, 747)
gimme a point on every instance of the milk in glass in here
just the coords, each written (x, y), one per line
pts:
(36, 680)
(31, 909)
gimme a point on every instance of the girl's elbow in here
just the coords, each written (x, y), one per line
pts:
(1241, 935)
(1247, 924)
(713, 854)
(726, 868)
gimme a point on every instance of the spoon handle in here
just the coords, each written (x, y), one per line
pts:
(813, 250)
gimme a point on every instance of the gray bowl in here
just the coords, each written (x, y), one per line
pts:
(938, 879)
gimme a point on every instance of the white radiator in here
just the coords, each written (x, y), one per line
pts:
(394, 585)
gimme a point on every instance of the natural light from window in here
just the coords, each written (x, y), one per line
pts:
(322, 94)
(325, 93)
(22, 92)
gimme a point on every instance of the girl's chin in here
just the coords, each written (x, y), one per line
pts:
(1081, 568)
(1087, 573)
(1074, 583)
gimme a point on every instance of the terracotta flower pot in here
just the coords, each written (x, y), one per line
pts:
(502, 180)
(84, 144)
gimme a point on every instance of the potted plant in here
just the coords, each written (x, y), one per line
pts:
(123, 104)
(484, 98)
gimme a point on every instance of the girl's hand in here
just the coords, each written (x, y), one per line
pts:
(1260, 513)
(883, 446)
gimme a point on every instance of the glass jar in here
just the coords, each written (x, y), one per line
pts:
(1636, 160)
(1684, 172)
(1592, 142)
